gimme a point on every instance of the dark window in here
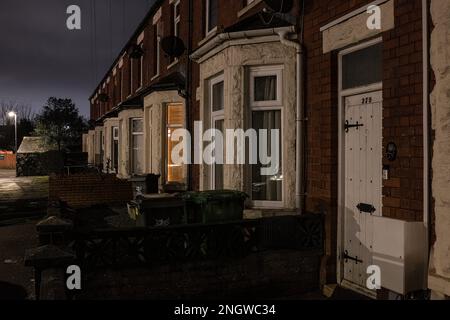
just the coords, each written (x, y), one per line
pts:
(362, 67)
(212, 14)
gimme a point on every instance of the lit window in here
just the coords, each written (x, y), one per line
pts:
(175, 120)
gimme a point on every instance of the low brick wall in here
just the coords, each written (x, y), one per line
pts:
(85, 190)
(264, 275)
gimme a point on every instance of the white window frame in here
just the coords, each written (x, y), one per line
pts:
(214, 29)
(215, 116)
(141, 78)
(256, 72)
(275, 105)
(132, 147)
(176, 18)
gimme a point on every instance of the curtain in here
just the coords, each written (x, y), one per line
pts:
(267, 188)
(266, 88)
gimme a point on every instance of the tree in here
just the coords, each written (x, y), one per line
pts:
(25, 123)
(60, 123)
(23, 111)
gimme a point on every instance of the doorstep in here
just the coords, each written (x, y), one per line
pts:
(438, 283)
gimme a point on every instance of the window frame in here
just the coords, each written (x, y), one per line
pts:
(261, 106)
(209, 31)
(132, 147)
(114, 138)
(218, 115)
(268, 71)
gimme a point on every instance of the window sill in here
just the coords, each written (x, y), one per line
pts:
(208, 37)
(248, 8)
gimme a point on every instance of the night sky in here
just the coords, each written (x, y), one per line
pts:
(40, 57)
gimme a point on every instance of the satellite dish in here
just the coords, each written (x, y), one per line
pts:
(173, 46)
(103, 97)
(136, 52)
(281, 6)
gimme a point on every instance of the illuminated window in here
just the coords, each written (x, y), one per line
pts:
(175, 120)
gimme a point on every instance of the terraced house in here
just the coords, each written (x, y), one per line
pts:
(347, 83)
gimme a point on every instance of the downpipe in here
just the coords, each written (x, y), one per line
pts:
(300, 118)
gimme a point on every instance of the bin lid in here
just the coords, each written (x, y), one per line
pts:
(211, 195)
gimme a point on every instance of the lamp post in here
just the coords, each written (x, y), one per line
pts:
(12, 114)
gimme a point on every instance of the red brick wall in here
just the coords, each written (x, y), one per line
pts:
(403, 112)
(85, 190)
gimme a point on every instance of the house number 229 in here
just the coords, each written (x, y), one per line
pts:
(366, 100)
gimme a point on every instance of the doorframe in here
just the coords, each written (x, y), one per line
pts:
(342, 94)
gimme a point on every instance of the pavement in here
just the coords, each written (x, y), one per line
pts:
(22, 197)
(16, 280)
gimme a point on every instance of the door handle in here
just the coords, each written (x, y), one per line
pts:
(348, 126)
(347, 257)
(366, 208)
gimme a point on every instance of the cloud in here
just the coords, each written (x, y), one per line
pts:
(40, 57)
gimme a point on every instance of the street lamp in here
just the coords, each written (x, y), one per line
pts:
(12, 114)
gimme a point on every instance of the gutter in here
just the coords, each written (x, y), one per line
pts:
(223, 37)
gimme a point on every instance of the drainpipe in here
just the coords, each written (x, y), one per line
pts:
(299, 186)
(188, 86)
(426, 132)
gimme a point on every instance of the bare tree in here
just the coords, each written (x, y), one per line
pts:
(23, 111)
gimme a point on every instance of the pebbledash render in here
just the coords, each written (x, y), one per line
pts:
(360, 108)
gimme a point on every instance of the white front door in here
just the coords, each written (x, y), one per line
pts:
(363, 182)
